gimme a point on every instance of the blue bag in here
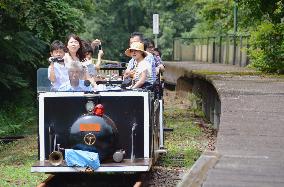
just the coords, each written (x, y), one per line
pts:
(82, 158)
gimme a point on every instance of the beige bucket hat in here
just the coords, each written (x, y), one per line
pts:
(135, 46)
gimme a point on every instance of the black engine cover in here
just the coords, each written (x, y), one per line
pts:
(95, 134)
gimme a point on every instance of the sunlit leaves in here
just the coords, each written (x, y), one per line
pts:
(27, 28)
(266, 51)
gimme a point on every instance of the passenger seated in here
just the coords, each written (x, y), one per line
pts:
(75, 71)
(138, 37)
(142, 69)
(57, 71)
(160, 67)
(150, 48)
(88, 63)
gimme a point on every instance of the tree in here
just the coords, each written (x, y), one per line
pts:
(27, 27)
(267, 34)
(114, 21)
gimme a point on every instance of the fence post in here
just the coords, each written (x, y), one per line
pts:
(227, 49)
(247, 59)
(220, 50)
(207, 55)
(241, 53)
(234, 49)
(177, 49)
(201, 49)
(173, 54)
(213, 51)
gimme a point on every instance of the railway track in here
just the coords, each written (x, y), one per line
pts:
(91, 179)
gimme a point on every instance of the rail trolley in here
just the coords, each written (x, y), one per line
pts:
(125, 127)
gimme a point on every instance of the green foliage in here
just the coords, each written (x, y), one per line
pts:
(15, 119)
(22, 51)
(113, 22)
(255, 11)
(261, 18)
(212, 17)
(267, 47)
(27, 28)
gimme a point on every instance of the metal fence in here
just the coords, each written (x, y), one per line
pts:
(228, 49)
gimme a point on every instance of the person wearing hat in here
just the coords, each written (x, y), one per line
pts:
(138, 37)
(142, 70)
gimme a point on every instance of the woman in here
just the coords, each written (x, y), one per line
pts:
(75, 54)
(149, 47)
(142, 69)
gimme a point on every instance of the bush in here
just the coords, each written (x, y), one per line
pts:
(14, 120)
(266, 50)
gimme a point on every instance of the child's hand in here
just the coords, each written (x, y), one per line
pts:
(101, 53)
(51, 65)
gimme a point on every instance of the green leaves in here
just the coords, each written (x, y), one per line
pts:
(15, 118)
(21, 50)
(113, 21)
(267, 50)
(27, 28)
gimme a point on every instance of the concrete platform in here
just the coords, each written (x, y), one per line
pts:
(250, 139)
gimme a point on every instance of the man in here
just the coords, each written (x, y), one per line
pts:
(138, 37)
(75, 71)
(149, 47)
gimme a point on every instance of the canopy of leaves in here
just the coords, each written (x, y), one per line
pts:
(262, 19)
(267, 48)
(27, 28)
(113, 21)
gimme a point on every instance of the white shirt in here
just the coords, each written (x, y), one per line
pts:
(61, 74)
(149, 59)
(140, 67)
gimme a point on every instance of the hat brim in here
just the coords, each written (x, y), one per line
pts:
(128, 53)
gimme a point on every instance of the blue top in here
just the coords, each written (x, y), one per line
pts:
(80, 88)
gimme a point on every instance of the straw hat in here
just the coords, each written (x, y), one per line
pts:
(135, 46)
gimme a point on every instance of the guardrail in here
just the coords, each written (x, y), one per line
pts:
(111, 68)
(230, 49)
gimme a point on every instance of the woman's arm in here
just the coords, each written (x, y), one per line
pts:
(141, 81)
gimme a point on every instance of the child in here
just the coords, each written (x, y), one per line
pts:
(88, 63)
(57, 72)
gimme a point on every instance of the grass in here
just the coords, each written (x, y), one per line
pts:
(188, 140)
(18, 157)
(16, 161)
(181, 143)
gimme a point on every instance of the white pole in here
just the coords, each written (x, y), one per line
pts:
(156, 40)
(156, 28)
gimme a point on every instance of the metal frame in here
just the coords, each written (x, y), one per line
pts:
(127, 166)
(120, 168)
